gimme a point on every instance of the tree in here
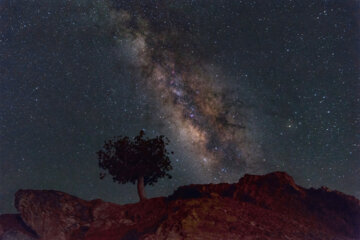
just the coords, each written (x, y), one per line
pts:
(140, 160)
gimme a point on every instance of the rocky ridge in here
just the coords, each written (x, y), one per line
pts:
(271, 206)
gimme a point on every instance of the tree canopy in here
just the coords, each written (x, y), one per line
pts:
(128, 160)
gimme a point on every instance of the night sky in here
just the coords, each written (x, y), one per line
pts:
(237, 86)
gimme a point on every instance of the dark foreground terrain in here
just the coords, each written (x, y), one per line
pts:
(257, 207)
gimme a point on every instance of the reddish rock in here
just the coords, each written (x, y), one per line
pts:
(12, 227)
(257, 207)
(114, 222)
(316, 213)
(58, 216)
(53, 214)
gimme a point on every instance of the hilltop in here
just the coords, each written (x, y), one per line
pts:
(270, 206)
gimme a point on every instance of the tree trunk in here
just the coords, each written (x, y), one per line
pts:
(141, 188)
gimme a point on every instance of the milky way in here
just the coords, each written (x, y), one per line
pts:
(191, 97)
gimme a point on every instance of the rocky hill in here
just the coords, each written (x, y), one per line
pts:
(257, 207)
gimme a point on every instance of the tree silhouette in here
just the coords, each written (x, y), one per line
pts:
(140, 160)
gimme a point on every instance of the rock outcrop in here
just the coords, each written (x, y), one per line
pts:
(12, 227)
(257, 207)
